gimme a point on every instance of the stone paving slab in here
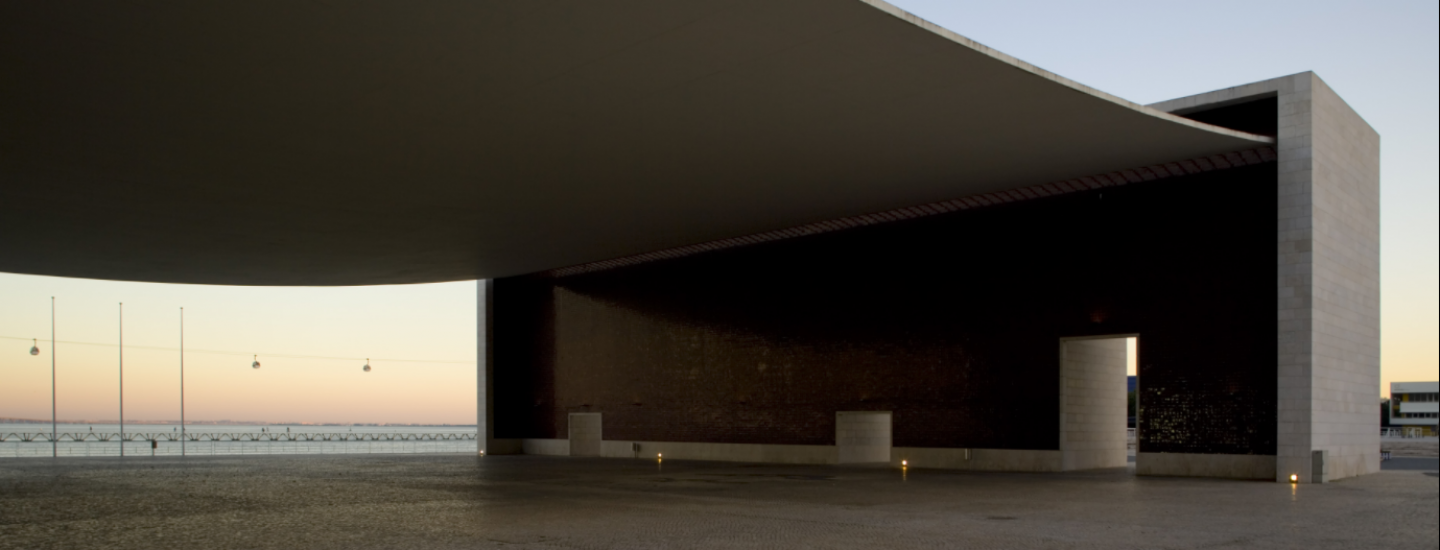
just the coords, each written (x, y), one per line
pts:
(1409, 463)
(525, 502)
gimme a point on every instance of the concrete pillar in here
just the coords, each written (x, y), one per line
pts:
(485, 367)
(1092, 403)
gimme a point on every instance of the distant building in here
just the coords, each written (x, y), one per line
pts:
(1415, 405)
(1130, 385)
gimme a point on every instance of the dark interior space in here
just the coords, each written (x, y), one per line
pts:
(1259, 116)
(948, 321)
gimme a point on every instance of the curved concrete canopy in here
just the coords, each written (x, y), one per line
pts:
(372, 142)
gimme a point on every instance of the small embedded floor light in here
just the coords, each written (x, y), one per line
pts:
(367, 369)
(904, 463)
(35, 347)
(256, 364)
(1294, 478)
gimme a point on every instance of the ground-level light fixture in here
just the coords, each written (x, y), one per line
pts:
(35, 346)
(1294, 478)
(256, 364)
(367, 365)
(904, 463)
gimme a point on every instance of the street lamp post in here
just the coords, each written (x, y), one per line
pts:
(122, 379)
(54, 425)
(182, 381)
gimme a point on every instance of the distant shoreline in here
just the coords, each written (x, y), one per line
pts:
(231, 423)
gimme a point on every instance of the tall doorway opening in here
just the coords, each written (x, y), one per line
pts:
(1095, 401)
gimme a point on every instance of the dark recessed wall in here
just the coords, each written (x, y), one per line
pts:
(1260, 116)
(952, 322)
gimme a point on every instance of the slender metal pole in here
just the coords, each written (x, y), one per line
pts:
(122, 378)
(54, 424)
(182, 381)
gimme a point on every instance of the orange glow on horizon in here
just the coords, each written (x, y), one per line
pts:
(421, 322)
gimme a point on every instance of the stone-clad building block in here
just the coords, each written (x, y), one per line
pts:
(1328, 274)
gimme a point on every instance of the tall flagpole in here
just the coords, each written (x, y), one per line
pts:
(54, 426)
(182, 381)
(122, 378)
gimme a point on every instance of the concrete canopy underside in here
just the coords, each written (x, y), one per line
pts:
(290, 143)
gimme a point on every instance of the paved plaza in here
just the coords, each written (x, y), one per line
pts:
(525, 502)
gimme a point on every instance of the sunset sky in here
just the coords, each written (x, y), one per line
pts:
(1381, 57)
(416, 323)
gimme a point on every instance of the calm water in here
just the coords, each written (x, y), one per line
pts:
(220, 440)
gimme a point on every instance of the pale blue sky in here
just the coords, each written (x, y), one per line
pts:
(1381, 56)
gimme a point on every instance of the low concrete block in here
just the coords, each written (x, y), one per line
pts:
(546, 447)
(863, 437)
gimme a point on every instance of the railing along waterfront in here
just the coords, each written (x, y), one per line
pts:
(91, 443)
(233, 436)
